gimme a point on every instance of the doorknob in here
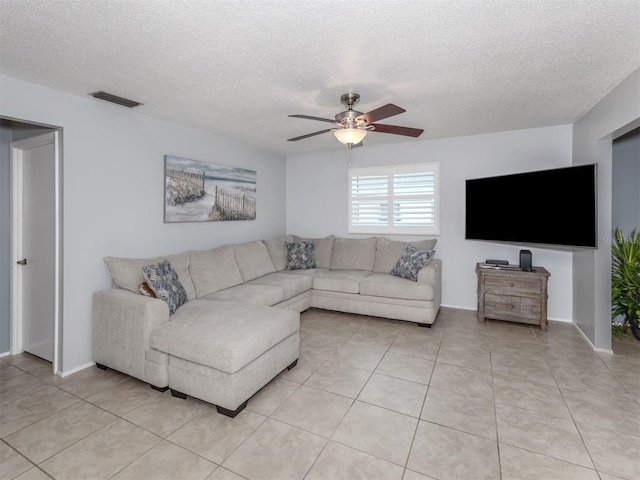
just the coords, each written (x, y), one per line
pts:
(22, 262)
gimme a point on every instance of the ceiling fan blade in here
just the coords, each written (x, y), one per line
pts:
(386, 111)
(295, 139)
(406, 131)
(313, 118)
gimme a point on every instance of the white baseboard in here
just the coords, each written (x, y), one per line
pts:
(75, 370)
(458, 307)
(593, 347)
(564, 320)
(5, 354)
(603, 350)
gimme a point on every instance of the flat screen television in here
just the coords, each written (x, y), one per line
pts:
(549, 207)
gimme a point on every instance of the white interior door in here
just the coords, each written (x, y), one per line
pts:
(35, 243)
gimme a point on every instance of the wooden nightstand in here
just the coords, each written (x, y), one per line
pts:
(514, 295)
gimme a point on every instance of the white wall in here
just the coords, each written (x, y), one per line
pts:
(317, 200)
(113, 170)
(617, 113)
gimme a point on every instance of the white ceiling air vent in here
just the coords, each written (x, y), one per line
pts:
(125, 102)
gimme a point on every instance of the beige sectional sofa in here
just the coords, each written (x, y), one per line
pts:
(239, 327)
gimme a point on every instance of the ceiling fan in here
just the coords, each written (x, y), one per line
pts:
(350, 126)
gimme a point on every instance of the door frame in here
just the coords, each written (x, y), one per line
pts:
(17, 157)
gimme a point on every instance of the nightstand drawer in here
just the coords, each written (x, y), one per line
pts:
(512, 307)
(510, 285)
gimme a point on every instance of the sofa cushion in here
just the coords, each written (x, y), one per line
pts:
(253, 260)
(300, 255)
(291, 285)
(278, 251)
(323, 249)
(214, 270)
(224, 335)
(346, 281)
(411, 262)
(353, 254)
(163, 280)
(126, 273)
(385, 285)
(266, 295)
(388, 252)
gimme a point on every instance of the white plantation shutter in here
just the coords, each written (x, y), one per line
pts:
(400, 199)
(369, 196)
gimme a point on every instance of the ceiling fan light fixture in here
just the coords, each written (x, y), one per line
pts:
(348, 136)
(350, 126)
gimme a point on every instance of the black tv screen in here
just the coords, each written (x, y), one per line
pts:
(551, 207)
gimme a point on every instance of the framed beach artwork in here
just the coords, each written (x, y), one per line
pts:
(198, 191)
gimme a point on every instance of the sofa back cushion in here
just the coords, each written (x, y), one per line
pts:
(388, 252)
(253, 260)
(278, 251)
(126, 273)
(214, 270)
(354, 254)
(323, 247)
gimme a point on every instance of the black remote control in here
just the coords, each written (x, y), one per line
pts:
(490, 261)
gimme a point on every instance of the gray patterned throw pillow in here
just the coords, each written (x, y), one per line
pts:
(300, 255)
(411, 262)
(164, 282)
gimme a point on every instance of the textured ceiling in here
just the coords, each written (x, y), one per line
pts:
(239, 67)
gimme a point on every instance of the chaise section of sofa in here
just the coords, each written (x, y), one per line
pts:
(224, 352)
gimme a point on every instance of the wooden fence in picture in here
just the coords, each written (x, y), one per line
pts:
(232, 205)
(184, 186)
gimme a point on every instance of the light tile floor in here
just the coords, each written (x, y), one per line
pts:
(369, 399)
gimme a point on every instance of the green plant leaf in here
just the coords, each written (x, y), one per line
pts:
(625, 275)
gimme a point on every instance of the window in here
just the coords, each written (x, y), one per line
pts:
(400, 199)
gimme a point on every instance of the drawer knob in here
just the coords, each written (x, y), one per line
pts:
(511, 284)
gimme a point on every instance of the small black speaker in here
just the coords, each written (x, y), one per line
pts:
(525, 261)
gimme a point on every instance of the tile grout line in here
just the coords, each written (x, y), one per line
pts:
(495, 416)
(572, 419)
(575, 423)
(353, 401)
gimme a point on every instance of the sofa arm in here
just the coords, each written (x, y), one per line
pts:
(122, 326)
(432, 273)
